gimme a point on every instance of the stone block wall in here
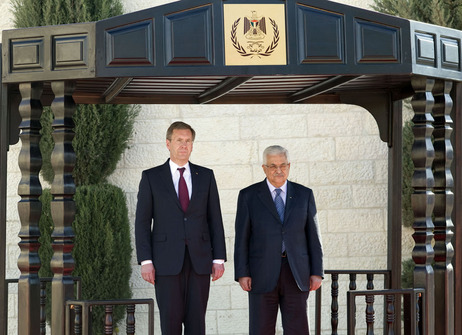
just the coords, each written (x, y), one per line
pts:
(335, 150)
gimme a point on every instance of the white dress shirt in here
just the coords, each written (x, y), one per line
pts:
(273, 192)
(176, 176)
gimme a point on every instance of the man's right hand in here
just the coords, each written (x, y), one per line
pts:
(148, 273)
(246, 283)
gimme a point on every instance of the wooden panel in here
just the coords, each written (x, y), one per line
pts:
(450, 53)
(425, 49)
(321, 36)
(188, 37)
(70, 51)
(27, 54)
(130, 45)
(376, 43)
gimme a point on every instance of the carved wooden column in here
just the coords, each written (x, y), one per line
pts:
(62, 205)
(457, 212)
(423, 199)
(444, 203)
(30, 209)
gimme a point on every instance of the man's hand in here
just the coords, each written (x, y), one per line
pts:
(315, 282)
(148, 273)
(246, 283)
(217, 271)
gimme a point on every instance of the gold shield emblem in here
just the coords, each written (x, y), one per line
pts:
(255, 34)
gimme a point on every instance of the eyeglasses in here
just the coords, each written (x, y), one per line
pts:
(274, 168)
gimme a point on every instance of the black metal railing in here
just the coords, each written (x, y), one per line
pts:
(412, 311)
(78, 315)
(352, 286)
(43, 298)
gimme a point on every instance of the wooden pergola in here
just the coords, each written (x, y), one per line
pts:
(243, 52)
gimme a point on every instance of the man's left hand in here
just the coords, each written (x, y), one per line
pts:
(217, 271)
(315, 282)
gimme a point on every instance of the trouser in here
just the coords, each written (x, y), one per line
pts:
(182, 299)
(286, 296)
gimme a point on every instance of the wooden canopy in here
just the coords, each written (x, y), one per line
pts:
(244, 52)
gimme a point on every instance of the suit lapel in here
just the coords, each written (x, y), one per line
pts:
(166, 177)
(195, 180)
(265, 196)
(290, 200)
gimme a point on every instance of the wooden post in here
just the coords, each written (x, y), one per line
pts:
(444, 203)
(457, 213)
(62, 205)
(30, 209)
(423, 198)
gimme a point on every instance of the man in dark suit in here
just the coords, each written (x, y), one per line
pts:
(278, 252)
(179, 234)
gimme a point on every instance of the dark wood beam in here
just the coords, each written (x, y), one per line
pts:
(320, 88)
(116, 87)
(222, 88)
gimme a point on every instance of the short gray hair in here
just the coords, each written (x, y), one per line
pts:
(275, 150)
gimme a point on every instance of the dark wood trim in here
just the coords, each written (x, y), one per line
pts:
(324, 86)
(3, 204)
(395, 186)
(116, 87)
(222, 89)
(457, 212)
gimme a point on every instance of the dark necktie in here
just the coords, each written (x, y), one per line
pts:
(280, 209)
(183, 193)
(279, 204)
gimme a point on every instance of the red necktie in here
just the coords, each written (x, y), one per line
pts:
(183, 193)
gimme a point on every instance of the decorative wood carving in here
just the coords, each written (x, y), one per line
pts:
(29, 208)
(423, 198)
(62, 205)
(334, 303)
(444, 203)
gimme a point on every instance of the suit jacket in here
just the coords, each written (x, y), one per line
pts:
(259, 232)
(162, 229)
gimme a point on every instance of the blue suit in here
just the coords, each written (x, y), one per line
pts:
(259, 235)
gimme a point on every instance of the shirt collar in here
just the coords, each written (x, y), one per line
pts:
(174, 167)
(272, 188)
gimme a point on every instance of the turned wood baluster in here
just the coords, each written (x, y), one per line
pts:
(423, 198)
(390, 313)
(108, 320)
(444, 203)
(370, 314)
(352, 282)
(62, 204)
(29, 208)
(334, 304)
(77, 319)
(130, 320)
(370, 281)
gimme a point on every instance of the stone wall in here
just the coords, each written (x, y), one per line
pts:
(335, 150)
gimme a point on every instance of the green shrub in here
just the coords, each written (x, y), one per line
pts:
(407, 273)
(101, 136)
(408, 172)
(102, 249)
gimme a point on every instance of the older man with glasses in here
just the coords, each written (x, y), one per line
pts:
(278, 255)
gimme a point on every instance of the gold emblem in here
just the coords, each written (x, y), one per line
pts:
(255, 34)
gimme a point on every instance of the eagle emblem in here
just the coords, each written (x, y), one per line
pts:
(254, 27)
(255, 33)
